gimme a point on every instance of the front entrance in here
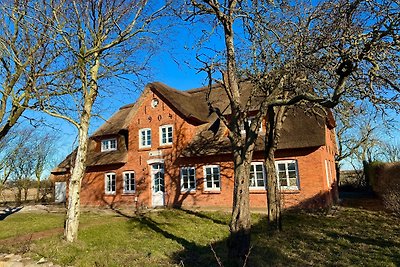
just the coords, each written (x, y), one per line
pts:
(157, 184)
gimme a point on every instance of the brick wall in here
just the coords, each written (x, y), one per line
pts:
(314, 186)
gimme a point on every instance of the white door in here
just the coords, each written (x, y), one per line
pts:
(60, 192)
(157, 184)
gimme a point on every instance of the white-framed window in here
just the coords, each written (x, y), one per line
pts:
(188, 178)
(129, 182)
(257, 175)
(288, 177)
(166, 134)
(212, 177)
(109, 144)
(110, 183)
(249, 120)
(145, 138)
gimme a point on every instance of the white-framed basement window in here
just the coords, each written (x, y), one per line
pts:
(110, 183)
(109, 144)
(288, 177)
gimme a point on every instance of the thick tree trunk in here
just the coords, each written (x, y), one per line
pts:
(78, 172)
(240, 225)
(274, 123)
(273, 194)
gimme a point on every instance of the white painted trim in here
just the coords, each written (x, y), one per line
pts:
(153, 161)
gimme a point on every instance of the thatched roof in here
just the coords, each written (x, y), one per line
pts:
(93, 159)
(118, 121)
(300, 130)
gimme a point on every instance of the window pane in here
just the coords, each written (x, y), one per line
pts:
(292, 166)
(292, 174)
(283, 182)
(281, 167)
(293, 182)
(259, 167)
(184, 172)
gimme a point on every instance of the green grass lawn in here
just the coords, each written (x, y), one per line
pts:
(351, 237)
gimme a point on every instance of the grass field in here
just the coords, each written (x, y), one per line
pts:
(348, 237)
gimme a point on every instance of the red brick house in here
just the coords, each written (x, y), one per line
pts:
(167, 150)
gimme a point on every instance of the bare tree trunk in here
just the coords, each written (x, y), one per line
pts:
(78, 172)
(273, 194)
(274, 124)
(240, 225)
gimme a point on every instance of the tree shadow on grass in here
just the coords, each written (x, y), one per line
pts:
(203, 216)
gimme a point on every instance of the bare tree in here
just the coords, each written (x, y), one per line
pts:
(295, 54)
(25, 154)
(100, 40)
(27, 57)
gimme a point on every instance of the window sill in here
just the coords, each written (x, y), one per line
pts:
(257, 191)
(290, 191)
(145, 148)
(208, 191)
(128, 193)
(186, 192)
(108, 150)
(165, 146)
(110, 194)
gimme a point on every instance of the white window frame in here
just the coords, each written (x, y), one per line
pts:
(168, 136)
(286, 162)
(124, 175)
(107, 180)
(109, 144)
(213, 187)
(146, 139)
(253, 169)
(188, 178)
